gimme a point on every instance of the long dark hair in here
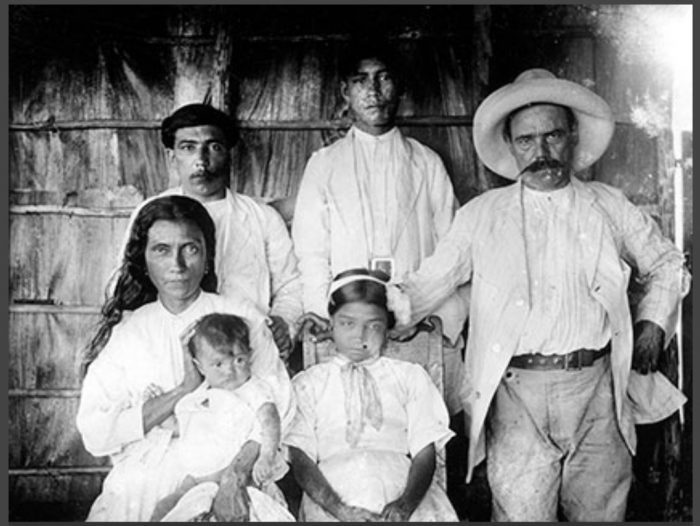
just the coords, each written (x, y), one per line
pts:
(362, 290)
(133, 286)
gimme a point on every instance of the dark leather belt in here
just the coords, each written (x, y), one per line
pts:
(548, 362)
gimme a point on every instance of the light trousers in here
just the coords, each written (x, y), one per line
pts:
(552, 441)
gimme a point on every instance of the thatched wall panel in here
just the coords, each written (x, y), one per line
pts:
(43, 434)
(437, 73)
(105, 84)
(454, 145)
(570, 57)
(46, 498)
(270, 164)
(16, 437)
(282, 81)
(142, 162)
(45, 348)
(295, 81)
(107, 168)
(61, 258)
(630, 164)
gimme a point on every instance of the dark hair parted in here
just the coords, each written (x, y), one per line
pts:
(133, 286)
(221, 331)
(570, 116)
(362, 290)
(197, 115)
(365, 49)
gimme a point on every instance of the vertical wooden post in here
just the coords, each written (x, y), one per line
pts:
(481, 62)
(202, 59)
(202, 56)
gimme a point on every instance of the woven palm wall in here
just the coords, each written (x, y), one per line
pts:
(89, 87)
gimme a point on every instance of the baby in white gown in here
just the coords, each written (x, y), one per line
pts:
(216, 419)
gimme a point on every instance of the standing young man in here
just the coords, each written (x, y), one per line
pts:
(375, 199)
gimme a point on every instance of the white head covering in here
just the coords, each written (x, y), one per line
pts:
(339, 283)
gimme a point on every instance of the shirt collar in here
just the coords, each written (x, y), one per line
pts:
(185, 312)
(369, 138)
(560, 198)
(218, 207)
(344, 360)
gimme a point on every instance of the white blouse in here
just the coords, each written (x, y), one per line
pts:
(145, 348)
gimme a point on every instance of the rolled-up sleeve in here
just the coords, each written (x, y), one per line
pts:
(107, 419)
(428, 421)
(661, 269)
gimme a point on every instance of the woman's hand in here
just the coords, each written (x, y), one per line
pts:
(192, 378)
(346, 513)
(396, 511)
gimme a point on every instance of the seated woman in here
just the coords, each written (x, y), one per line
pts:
(166, 282)
(363, 442)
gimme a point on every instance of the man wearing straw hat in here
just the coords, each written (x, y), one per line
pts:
(556, 363)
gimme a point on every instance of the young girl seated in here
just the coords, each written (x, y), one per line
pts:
(364, 439)
(216, 419)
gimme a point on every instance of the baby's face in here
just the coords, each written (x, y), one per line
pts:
(226, 368)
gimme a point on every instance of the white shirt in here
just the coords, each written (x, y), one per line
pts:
(563, 316)
(145, 348)
(364, 197)
(414, 414)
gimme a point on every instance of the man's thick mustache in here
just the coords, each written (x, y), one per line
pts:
(542, 164)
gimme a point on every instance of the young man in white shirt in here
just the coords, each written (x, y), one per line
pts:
(254, 254)
(376, 199)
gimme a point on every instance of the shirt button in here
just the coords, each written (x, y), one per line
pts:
(519, 303)
(496, 347)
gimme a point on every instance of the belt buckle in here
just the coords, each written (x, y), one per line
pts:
(572, 361)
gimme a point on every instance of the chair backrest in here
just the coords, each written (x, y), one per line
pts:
(424, 348)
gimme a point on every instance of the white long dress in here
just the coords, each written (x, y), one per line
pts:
(374, 471)
(145, 348)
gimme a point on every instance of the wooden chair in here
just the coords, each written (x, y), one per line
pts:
(424, 348)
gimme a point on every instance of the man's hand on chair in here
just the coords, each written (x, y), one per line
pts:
(280, 333)
(316, 326)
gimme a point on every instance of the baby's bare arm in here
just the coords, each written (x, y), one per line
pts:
(270, 434)
(269, 421)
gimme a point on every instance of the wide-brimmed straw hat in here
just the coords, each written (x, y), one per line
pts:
(593, 114)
